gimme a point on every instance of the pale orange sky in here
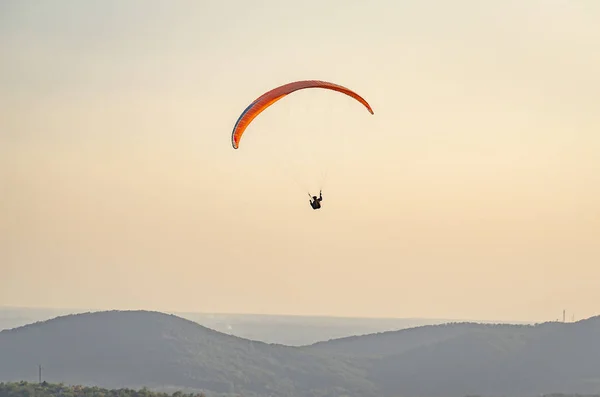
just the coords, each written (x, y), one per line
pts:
(473, 192)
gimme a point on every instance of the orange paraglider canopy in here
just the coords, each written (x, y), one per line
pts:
(272, 96)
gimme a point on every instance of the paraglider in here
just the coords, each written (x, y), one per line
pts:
(270, 97)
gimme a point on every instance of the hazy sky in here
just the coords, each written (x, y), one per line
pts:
(472, 192)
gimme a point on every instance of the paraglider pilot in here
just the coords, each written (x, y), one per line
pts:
(315, 203)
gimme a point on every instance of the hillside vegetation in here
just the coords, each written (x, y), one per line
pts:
(45, 389)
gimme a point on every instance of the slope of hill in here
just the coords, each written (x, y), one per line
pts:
(396, 342)
(13, 317)
(133, 349)
(466, 358)
(547, 358)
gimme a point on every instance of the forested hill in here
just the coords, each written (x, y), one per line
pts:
(467, 358)
(136, 349)
(139, 348)
(396, 342)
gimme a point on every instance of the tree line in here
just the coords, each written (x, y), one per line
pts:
(44, 389)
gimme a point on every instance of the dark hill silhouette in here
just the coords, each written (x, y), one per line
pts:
(396, 342)
(547, 358)
(134, 349)
(118, 349)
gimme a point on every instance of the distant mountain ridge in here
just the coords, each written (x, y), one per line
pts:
(292, 330)
(396, 342)
(517, 361)
(139, 348)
